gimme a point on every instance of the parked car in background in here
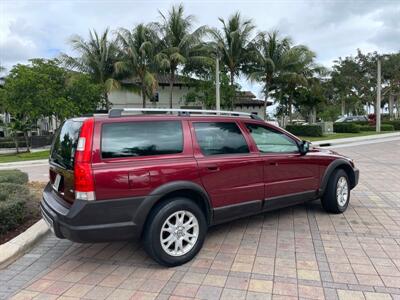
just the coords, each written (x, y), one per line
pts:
(165, 178)
(352, 119)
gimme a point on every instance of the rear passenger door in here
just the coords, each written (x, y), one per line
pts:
(230, 172)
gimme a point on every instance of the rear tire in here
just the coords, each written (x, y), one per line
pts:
(337, 194)
(175, 232)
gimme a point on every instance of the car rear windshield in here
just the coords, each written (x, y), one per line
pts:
(64, 144)
(141, 138)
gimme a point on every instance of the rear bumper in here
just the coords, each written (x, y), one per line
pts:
(92, 221)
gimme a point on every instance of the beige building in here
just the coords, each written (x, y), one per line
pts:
(125, 98)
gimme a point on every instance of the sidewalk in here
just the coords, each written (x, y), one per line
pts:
(22, 149)
(378, 137)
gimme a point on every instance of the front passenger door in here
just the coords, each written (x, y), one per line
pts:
(287, 173)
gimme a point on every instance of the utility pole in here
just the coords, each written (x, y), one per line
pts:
(217, 85)
(378, 97)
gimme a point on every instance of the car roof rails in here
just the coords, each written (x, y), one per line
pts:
(119, 112)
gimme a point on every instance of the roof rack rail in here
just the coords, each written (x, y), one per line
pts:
(117, 112)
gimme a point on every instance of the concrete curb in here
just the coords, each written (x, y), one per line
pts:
(17, 246)
(355, 139)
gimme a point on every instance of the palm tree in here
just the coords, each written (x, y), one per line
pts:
(179, 44)
(137, 57)
(234, 44)
(97, 57)
(270, 61)
(280, 66)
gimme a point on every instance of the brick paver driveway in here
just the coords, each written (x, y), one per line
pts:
(295, 252)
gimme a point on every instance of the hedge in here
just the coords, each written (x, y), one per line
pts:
(305, 130)
(384, 127)
(11, 144)
(394, 123)
(13, 196)
(13, 176)
(12, 213)
(346, 127)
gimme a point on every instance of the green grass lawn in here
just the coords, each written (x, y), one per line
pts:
(24, 156)
(340, 135)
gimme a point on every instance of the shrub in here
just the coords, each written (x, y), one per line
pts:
(367, 128)
(387, 127)
(12, 213)
(384, 127)
(11, 144)
(10, 189)
(305, 130)
(394, 123)
(346, 127)
(13, 176)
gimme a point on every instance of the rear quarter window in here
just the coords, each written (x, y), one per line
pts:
(132, 139)
(65, 143)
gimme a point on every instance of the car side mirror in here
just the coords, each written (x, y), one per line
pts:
(304, 147)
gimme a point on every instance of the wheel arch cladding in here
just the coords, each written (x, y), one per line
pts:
(335, 165)
(185, 189)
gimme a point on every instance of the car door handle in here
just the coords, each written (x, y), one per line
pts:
(212, 168)
(273, 163)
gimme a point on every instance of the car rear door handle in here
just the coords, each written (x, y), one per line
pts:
(273, 163)
(212, 168)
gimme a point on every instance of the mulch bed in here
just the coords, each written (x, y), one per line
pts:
(33, 212)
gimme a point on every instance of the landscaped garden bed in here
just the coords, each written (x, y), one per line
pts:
(19, 203)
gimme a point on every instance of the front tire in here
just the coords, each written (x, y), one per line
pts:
(175, 232)
(337, 194)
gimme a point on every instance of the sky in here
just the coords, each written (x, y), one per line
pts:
(36, 28)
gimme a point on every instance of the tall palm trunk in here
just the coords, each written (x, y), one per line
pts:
(232, 79)
(290, 110)
(143, 96)
(171, 85)
(265, 101)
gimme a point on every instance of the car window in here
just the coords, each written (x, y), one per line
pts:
(271, 141)
(220, 138)
(65, 143)
(141, 138)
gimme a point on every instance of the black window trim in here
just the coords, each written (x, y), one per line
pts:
(250, 153)
(142, 157)
(274, 130)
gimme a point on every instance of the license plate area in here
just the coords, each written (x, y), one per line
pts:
(56, 183)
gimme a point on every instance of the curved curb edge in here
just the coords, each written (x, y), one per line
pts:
(16, 247)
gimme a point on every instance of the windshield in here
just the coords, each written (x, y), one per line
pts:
(64, 144)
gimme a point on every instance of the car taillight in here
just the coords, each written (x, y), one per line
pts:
(84, 183)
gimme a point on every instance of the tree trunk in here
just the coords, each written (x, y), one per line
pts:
(28, 148)
(290, 110)
(343, 107)
(171, 86)
(233, 89)
(266, 92)
(106, 102)
(16, 144)
(391, 102)
(143, 96)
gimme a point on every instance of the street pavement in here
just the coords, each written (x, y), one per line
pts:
(297, 252)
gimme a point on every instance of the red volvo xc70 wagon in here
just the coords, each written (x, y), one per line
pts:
(167, 177)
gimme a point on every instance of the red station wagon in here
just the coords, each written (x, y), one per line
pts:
(167, 175)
